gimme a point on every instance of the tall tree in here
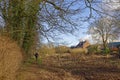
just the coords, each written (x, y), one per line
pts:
(103, 30)
(117, 20)
(20, 21)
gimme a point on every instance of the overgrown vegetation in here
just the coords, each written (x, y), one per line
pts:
(67, 67)
(32, 60)
(10, 58)
(62, 49)
(94, 49)
(78, 51)
(20, 22)
(46, 50)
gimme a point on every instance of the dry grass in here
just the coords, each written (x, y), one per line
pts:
(62, 49)
(10, 58)
(78, 50)
(46, 50)
(65, 67)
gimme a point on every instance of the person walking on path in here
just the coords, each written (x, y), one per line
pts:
(36, 56)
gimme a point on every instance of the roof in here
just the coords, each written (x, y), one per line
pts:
(114, 44)
(83, 44)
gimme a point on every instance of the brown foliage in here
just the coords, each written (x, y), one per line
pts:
(81, 67)
(10, 58)
(62, 49)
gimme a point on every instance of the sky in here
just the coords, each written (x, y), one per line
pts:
(72, 40)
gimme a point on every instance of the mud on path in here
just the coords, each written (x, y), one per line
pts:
(67, 67)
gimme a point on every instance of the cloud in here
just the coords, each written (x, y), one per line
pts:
(111, 4)
(87, 37)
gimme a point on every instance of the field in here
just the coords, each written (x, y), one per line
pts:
(72, 67)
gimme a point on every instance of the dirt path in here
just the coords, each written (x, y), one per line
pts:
(36, 72)
(83, 69)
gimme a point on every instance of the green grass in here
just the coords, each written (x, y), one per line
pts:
(33, 60)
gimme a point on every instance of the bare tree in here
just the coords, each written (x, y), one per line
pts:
(117, 20)
(103, 30)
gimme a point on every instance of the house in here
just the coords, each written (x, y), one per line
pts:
(83, 44)
(114, 46)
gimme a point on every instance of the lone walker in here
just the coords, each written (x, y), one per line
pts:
(36, 56)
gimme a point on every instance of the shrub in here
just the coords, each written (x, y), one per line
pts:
(46, 50)
(62, 49)
(10, 58)
(93, 49)
(106, 51)
(32, 60)
(78, 50)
